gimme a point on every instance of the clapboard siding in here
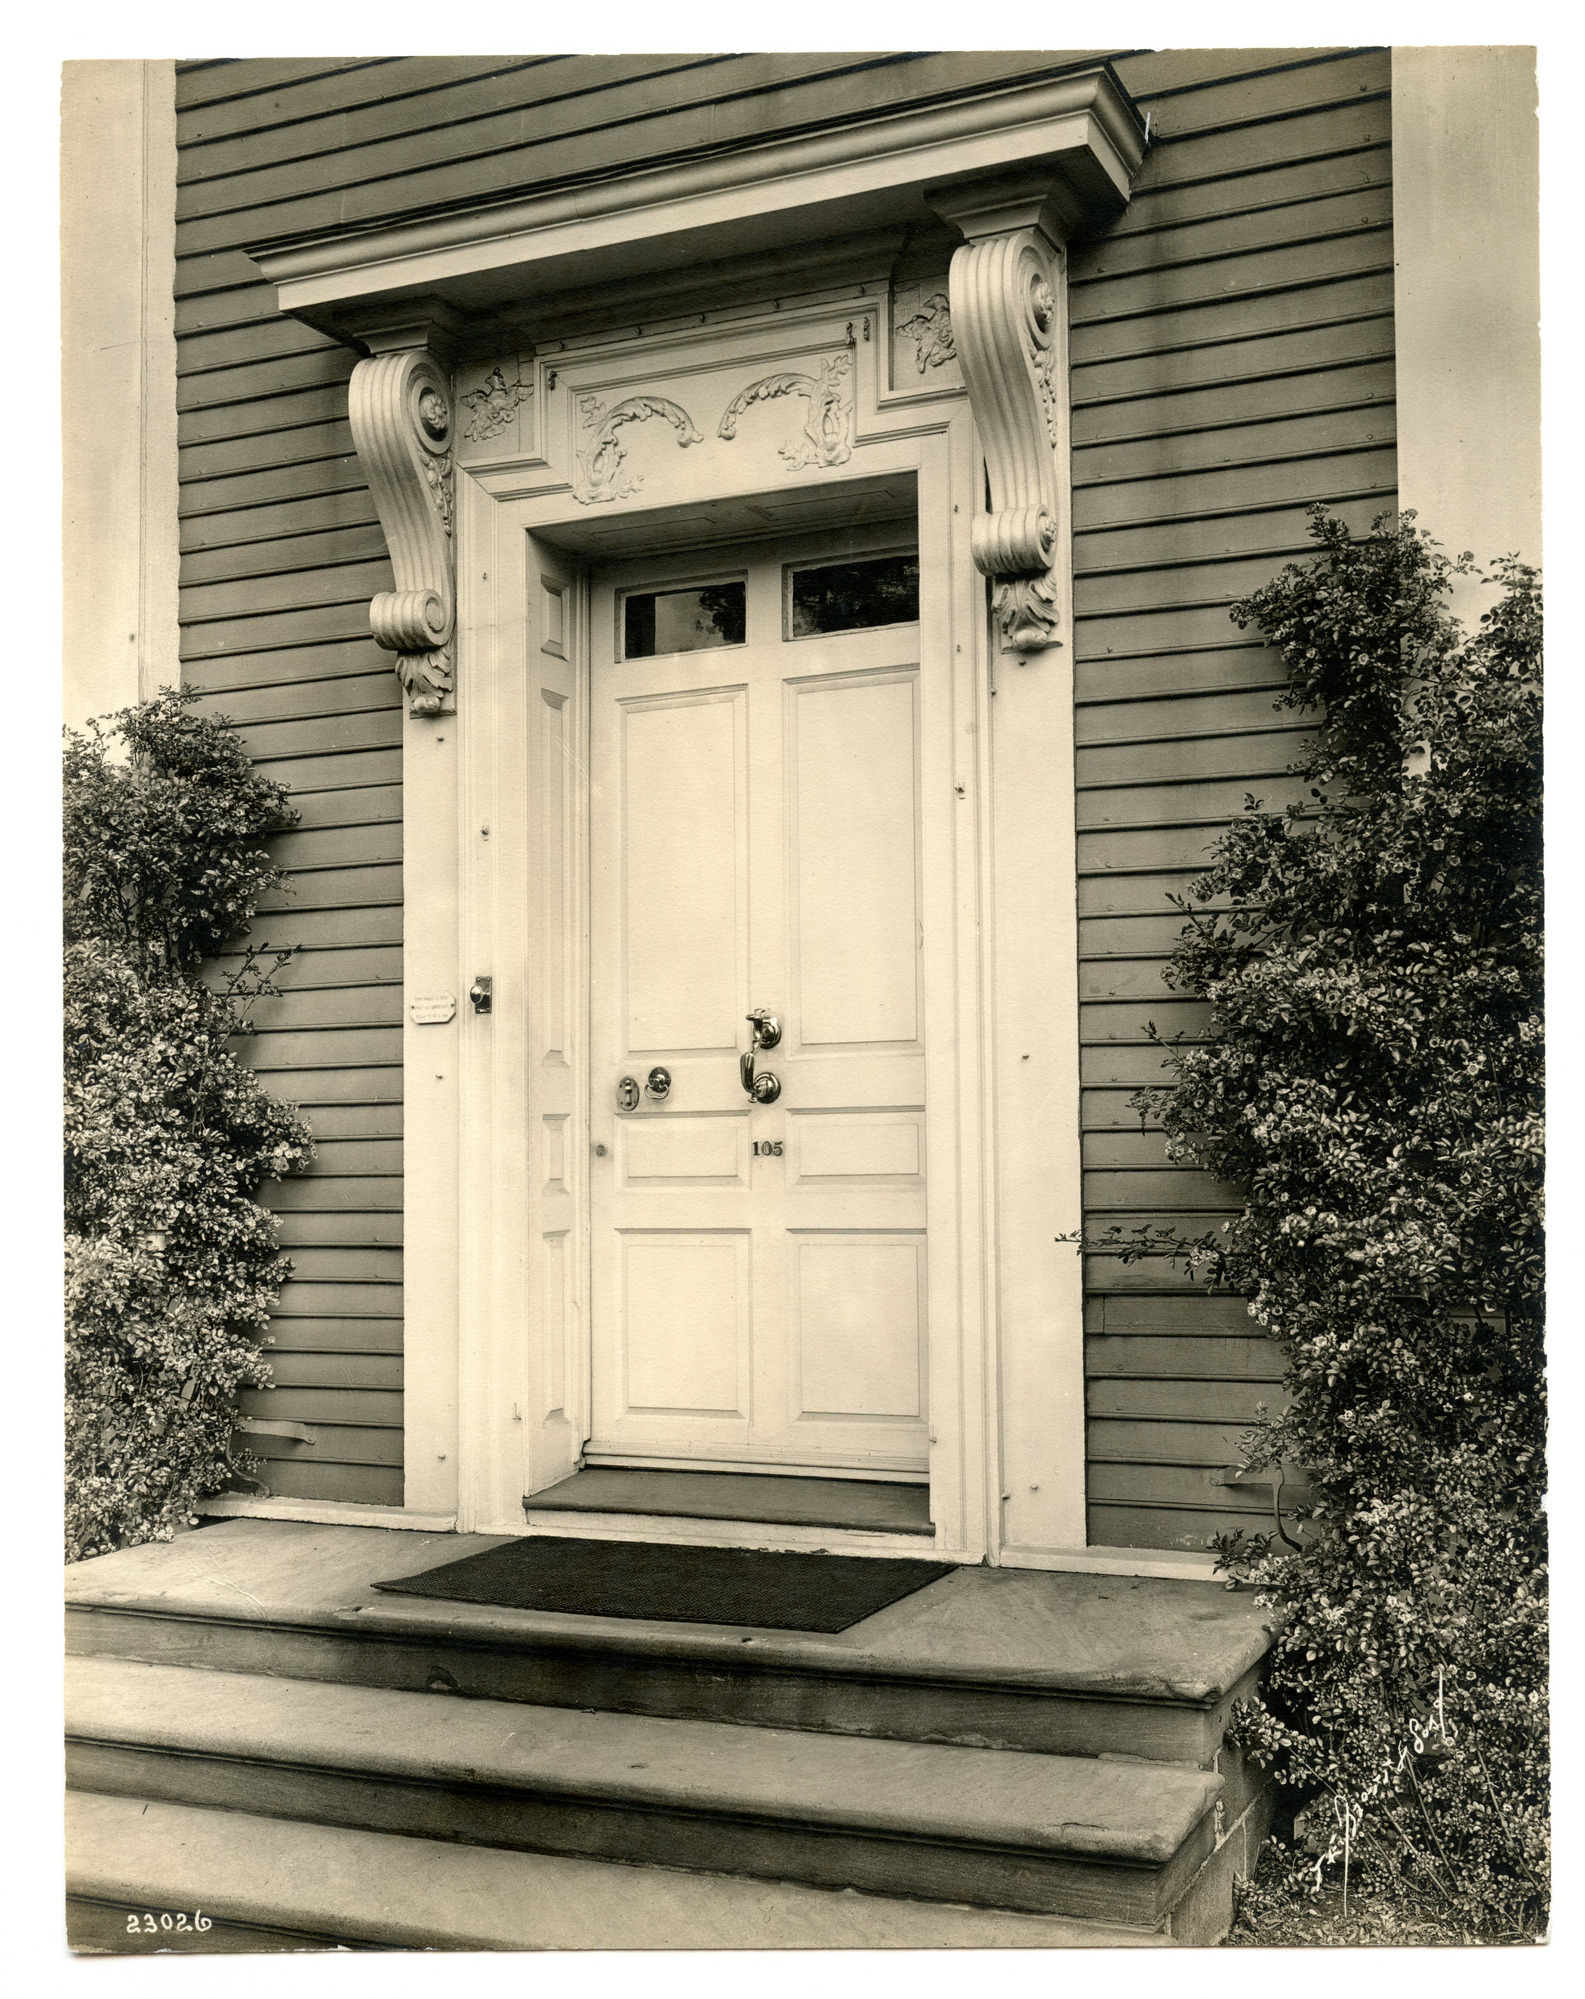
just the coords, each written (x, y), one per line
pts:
(1232, 362)
(280, 553)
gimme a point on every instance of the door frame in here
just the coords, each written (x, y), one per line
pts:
(1006, 1339)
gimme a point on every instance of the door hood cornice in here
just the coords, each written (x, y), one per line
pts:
(788, 191)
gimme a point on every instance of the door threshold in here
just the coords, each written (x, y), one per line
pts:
(670, 1530)
(751, 1498)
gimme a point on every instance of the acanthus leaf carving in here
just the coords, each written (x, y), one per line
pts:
(492, 406)
(930, 330)
(399, 406)
(599, 473)
(827, 434)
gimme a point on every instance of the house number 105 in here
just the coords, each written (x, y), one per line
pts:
(767, 1148)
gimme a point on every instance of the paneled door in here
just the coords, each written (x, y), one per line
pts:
(757, 1013)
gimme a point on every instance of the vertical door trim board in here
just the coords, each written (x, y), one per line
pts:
(433, 889)
(489, 1373)
(501, 1168)
(1033, 1072)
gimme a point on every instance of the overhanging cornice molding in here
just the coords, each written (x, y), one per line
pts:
(817, 184)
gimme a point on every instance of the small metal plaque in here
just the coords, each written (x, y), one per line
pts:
(433, 1009)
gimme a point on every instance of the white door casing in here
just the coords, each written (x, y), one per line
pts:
(759, 1271)
(998, 969)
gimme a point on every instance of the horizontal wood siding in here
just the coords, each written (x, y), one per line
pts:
(280, 553)
(1232, 361)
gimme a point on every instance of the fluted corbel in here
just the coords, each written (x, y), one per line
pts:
(1008, 293)
(399, 405)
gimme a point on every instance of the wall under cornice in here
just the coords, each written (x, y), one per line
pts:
(118, 383)
(1467, 296)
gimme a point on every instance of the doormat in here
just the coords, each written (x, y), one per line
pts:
(674, 1585)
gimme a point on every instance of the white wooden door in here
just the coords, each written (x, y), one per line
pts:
(758, 1283)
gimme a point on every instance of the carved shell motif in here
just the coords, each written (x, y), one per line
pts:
(827, 434)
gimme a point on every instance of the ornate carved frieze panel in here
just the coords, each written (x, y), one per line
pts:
(399, 406)
(602, 457)
(1007, 304)
(827, 434)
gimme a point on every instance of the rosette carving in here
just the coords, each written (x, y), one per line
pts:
(399, 406)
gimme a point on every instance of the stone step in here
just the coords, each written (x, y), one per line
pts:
(278, 1884)
(1102, 1840)
(1071, 1665)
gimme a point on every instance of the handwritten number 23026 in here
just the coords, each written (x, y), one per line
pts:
(149, 1924)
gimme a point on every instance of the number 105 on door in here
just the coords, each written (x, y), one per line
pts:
(767, 1148)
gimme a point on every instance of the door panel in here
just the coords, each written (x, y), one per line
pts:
(758, 1277)
(874, 1147)
(853, 860)
(696, 1151)
(858, 1318)
(683, 852)
(685, 1323)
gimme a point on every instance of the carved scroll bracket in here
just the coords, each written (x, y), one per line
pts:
(399, 405)
(1007, 290)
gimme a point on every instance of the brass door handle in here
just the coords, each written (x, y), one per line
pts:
(763, 1088)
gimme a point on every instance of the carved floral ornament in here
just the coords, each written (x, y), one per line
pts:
(600, 475)
(930, 330)
(492, 406)
(601, 472)
(399, 406)
(827, 435)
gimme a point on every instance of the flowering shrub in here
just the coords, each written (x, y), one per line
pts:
(1372, 1082)
(171, 1262)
